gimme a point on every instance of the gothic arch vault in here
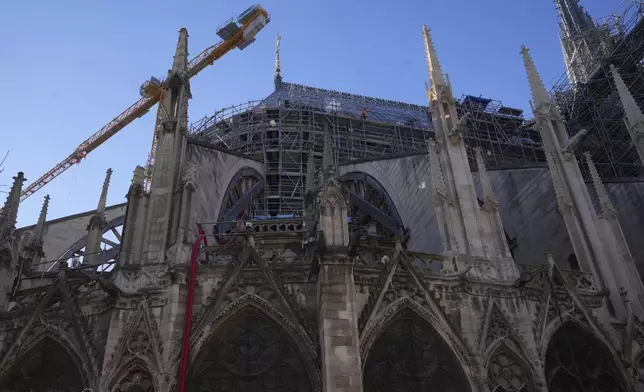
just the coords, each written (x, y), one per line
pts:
(409, 354)
(251, 351)
(577, 361)
(47, 364)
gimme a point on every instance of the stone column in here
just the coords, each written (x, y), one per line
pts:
(339, 339)
(134, 226)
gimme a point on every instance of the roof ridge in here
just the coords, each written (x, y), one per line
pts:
(350, 95)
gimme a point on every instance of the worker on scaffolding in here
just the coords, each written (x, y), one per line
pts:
(363, 114)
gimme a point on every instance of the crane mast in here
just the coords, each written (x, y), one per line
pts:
(237, 33)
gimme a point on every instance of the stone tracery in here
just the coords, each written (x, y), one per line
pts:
(249, 354)
(410, 356)
(575, 361)
(508, 373)
(46, 367)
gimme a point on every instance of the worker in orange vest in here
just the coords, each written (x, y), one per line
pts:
(363, 114)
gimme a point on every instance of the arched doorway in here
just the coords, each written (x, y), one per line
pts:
(578, 362)
(249, 354)
(46, 367)
(410, 356)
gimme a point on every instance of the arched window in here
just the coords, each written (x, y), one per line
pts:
(577, 362)
(410, 356)
(46, 367)
(249, 354)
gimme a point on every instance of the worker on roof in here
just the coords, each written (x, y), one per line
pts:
(363, 114)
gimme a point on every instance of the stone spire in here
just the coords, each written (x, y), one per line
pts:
(9, 213)
(539, 94)
(605, 204)
(433, 65)
(33, 251)
(96, 225)
(180, 63)
(102, 201)
(489, 198)
(164, 209)
(464, 227)
(595, 248)
(278, 70)
(40, 225)
(634, 117)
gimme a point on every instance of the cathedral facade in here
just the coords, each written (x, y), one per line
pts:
(279, 250)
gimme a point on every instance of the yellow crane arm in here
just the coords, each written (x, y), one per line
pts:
(251, 21)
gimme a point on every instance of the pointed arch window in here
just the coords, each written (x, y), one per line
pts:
(577, 362)
(48, 366)
(409, 356)
(249, 354)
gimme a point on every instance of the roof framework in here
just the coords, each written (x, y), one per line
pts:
(587, 96)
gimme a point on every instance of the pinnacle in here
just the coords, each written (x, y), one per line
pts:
(631, 109)
(602, 195)
(38, 232)
(433, 65)
(103, 200)
(539, 93)
(180, 63)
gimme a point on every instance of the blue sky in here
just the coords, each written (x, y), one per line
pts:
(70, 67)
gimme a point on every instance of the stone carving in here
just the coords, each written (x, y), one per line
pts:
(189, 176)
(499, 328)
(136, 380)
(507, 373)
(140, 339)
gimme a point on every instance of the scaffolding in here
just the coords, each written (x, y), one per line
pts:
(283, 129)
(586, 94)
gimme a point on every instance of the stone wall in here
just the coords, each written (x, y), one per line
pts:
(215, 170)
(407, 182)
(62, 234)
